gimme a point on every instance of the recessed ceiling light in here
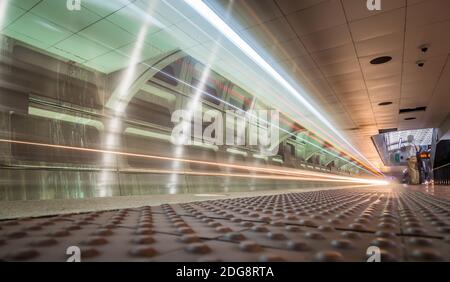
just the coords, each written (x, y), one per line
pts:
(411, 118)
(385, 104)
(381, 60)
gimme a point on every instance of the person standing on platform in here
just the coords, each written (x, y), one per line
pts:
(412, 162)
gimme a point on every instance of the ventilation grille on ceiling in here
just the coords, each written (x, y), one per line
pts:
(418, 109)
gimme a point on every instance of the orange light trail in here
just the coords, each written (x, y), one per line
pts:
(286, 172)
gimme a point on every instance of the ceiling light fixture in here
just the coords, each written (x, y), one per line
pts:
(381, 60)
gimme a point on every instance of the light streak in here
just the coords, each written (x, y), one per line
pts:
(120, 104)
(222, 27)
(284, 172)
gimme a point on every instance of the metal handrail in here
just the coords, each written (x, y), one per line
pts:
(441, 166)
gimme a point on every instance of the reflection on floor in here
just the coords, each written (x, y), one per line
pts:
(329, 225)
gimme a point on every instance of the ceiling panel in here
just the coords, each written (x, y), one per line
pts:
(104, 8)
(271, 32)
(335, 55)
(107, 34)
(24, 4)
(131, 21)
(290, 6)
(57, 12)
(427, 12)
(378, 25)
(13, 14)
(82, 47)
(322, 16)
(326, 39)
(33, 29)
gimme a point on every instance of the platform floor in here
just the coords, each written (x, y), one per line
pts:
(404, 223)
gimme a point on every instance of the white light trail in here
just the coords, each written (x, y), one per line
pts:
(226, 30)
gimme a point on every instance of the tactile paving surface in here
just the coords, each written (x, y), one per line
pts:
(327, 225)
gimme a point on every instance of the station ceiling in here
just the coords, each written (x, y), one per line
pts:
(328, 44)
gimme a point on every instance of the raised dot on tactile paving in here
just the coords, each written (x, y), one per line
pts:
(103, 232)
(447, 239)
(59, 233)
(10, 223)
(361, 220)
(260, 228)
(357, 226)
(384, 234)
(145, 225)
(250, 246)
(16, 234)
(342, 244)
(326, 228)
(214, 224)
(223, 229)
(271, 258)
(328, 256)
(94, 241)
(351, 235)
(235, 236)
(387, 226)
(143, 251)
(384, 243)
(438, 223)
(297, 245)
(422, 242)
(277, 223)
(307, 222)
(247, 224)
(445, 230)
(208, 259)
(143, 231)
(426, 255)
(180, 224)
(334, 221)
(198, 248)
(415, 231)
(33, 228)
(314, 236)
(23, 254)
(385, 256)
(291, 217)
(293, 228)
(190, 238)
(265, 219)
(43, 242)
(276, 236)
(143, 240)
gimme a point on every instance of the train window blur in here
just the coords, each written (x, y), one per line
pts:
(171, 73)
(239, 98)
(139, 109)
(167, 75)
(213, 85)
